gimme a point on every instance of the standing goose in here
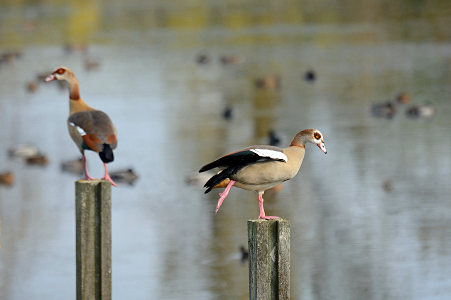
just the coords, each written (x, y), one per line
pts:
(258, 168)
(90, 129)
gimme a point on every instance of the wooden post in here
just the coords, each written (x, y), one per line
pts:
(269, 259)
(93, 239)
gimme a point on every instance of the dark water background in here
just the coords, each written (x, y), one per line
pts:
(351, 239)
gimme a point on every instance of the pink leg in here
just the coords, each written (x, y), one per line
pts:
(224, 194)
(262, 210)
(87, 177)
(107, 176)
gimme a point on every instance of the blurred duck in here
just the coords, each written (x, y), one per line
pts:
(10, 56)
(71, 48)
(91, 64)
(125, 176)
(7, 178)
(383, 110)
(203, 58)
(32, 86)
(227, 113)
(230, 59)
(90, 129)
(37, 160)
(388, 186)
(259, 168)
(420, 111)
(310, 76)
(74, 166)
(403, 98)
(244, 254)
(268, 82)
(23, 151)
(273, 139)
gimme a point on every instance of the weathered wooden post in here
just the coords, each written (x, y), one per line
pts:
(269, 259)
(93, 239)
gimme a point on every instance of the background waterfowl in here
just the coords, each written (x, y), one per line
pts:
(227, 113)
(23, 150)
(420, 111)
(126, 176)
(90, 129)
(203, 58)
(74, 166)
(310, 76)
(91, 64)
(7, 178)
(259, 168)
(231, 59)
(273, 138)
(31, 86)
(37, 160)
(403, 98)
(383, 110)
(268, 82)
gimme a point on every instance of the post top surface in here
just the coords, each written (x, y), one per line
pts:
(93, 182)
(269, 221)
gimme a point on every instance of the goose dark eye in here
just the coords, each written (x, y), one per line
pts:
(60, 71)
(317, 136)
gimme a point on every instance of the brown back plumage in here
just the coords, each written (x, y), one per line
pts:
(98, 128)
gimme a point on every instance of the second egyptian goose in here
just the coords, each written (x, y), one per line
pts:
(258, 168)
(89, 128)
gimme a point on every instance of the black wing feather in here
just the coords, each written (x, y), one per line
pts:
(221, 176)
(234, 159)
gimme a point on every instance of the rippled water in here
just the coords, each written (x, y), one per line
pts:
(350, 238)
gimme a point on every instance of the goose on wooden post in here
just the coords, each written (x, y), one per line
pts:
(259, 168)
(89, 128)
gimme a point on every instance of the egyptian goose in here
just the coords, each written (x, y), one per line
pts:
(258, 168)
(90, 129)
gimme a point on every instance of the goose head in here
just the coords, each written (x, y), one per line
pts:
(61, 73)
(313, 136)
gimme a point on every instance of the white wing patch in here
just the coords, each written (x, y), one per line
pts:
(271, 154)
(80, 130)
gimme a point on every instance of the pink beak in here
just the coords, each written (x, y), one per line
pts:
(322, 147)
(50, 78)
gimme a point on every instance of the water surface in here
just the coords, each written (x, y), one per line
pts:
(350, 238)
